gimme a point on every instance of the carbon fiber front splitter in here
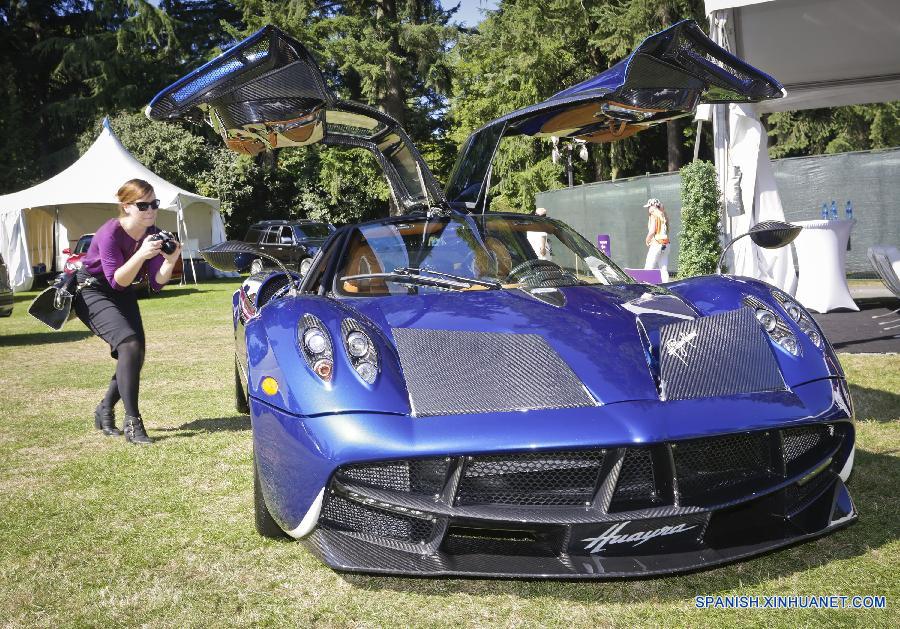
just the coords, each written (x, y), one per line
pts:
(628, 548)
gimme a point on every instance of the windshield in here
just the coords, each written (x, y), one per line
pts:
(83, 243)
(514, 251)
(314, 230)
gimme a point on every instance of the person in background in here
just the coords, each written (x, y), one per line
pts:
(657, 240)
(121, 252)
(539, 240)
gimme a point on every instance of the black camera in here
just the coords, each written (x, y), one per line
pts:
(169, 241)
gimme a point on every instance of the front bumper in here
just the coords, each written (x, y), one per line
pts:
(413, 496)
(473, 553)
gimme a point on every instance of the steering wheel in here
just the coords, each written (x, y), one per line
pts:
(532, 266)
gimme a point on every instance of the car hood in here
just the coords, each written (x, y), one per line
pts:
(604, 334)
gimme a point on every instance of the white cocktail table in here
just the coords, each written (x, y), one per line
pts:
(822, 257)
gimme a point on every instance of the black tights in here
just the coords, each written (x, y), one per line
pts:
(126, 382)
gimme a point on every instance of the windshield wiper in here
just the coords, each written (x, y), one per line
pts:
(492, 284)
(410, 278)
(435, 279)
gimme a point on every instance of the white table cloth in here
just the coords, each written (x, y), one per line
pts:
(822, 256)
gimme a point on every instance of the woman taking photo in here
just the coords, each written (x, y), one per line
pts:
(121, 252)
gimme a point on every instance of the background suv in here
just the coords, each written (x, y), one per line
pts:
(294, 243)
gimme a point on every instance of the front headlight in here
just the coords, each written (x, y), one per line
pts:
(777, 329)
(799, 314)
(360, 350)
(315, 345)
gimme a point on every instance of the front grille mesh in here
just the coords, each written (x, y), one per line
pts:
(636, 486)
(418, 476)
(801, 446)
(559, 478)
(346, 515)
(693, 473)
(735, 463)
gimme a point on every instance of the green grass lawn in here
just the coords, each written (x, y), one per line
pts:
(94, 531)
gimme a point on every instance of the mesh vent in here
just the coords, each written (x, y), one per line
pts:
(635, 488)
(422, 476)
(270, 287)
(805, 446)
(345, 515)
(450, 372)
(250, 56)
(710, 470)
(535, 479)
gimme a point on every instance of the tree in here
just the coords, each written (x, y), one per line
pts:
(66, 62)
(834, 130)
(699, 246)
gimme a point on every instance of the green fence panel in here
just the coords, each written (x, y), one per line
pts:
(869, 179)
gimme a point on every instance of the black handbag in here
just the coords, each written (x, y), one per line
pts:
(53, 306)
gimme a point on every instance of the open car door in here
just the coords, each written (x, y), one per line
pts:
(268, 92)
(666, 77)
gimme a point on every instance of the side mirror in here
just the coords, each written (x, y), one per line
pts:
(233, 255)
(67, 251)
(768, 235)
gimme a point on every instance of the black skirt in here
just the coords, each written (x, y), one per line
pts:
(111, 314)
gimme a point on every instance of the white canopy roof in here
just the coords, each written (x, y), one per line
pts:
(38, 224)
(827, 53)
(95, 177)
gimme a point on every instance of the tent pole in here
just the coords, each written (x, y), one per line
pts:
(182, 226)
(697, 140)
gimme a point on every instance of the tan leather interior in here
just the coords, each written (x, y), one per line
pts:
(504, 259)
(361, 259)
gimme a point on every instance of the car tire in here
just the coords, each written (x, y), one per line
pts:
(240, 394)
(265, 523)
(256, 266)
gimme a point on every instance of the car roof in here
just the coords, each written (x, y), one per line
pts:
(299, 221)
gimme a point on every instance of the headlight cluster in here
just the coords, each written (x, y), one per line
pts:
(315, 344)
(318, 350)
(798, 313)
(777, 329)
(360, 349)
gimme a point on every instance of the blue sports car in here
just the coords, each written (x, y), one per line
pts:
(439, 396)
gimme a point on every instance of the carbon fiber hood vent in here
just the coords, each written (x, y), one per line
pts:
(450, 372)
(723, 354)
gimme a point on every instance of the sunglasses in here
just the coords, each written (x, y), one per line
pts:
(143, 206)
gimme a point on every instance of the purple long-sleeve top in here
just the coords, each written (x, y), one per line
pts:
(111, 247)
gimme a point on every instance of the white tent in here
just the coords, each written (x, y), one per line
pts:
(38, 223)
(827, 53)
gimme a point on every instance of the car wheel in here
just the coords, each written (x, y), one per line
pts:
(240, 396)
(256, 266)
(265, 523)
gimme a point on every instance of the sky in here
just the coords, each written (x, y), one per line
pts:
(469, 10)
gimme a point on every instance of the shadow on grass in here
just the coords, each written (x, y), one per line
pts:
(872, 486)
(43, 338)
(169, 291)
(234, 423)
(877, 404)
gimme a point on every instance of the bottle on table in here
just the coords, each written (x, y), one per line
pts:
(834, 214)
(825, 211)
(848, 212)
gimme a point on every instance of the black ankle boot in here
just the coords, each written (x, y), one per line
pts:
(105, 420)
(134, 430)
